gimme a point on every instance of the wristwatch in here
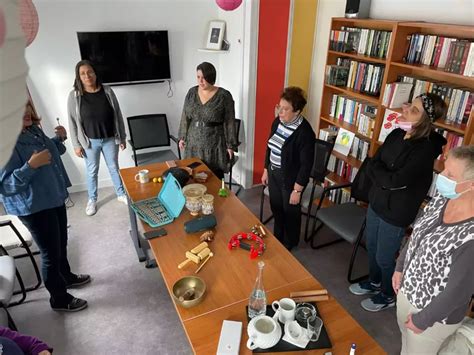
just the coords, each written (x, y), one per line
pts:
(298, 192)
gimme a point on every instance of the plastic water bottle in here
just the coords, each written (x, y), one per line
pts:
(258, 298)
(353, 349)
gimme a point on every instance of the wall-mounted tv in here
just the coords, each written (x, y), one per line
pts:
(127, 57)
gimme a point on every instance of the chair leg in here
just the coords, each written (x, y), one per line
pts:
(31, 256)
(353, 257)
(23, 290)
(11, 323)
(262, 201)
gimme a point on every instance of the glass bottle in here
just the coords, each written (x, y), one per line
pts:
(258, 298)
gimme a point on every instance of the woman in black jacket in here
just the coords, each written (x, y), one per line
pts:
(288, 162)
(401, 172)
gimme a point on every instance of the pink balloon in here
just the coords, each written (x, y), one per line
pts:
(3, 28)
(228, 5)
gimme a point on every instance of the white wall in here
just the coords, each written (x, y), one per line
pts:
(441, 11)
(54, 53)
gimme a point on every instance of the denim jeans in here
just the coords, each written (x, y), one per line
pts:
(110, 152)
(383, 243)
(49, 230)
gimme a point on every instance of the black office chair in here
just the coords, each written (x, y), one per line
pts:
(151, 131)
(235, 158)
(346, 219)
(314, 189)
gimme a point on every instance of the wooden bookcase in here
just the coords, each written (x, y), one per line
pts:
(394, 66)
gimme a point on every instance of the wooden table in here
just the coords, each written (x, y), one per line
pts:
(230, 274)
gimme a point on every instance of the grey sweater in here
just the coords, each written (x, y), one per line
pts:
(437, 267)
(77, 134)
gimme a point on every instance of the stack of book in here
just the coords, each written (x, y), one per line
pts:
(341, 168)
(454, 140)
(358, 113)
(396, 94)
(328, 134)
(336, 75)
(363, 41)
(364, 77)
(454, 55)
(458, 100)
(360, 149)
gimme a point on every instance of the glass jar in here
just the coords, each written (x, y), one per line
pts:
(207, 204)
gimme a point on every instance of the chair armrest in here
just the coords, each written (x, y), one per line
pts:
(174, 139)
(130, 144)
(328, 189)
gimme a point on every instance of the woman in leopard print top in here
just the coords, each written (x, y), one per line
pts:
(433, 278)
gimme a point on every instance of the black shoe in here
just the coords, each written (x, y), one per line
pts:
(74, 305)
(79, 281)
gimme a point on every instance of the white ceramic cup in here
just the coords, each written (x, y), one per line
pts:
(143, 176)
(264, 332)
(294, 330)
(286, 309)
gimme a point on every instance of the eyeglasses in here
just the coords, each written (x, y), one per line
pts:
(279, 108)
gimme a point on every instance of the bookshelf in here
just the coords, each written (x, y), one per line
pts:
(394, 67)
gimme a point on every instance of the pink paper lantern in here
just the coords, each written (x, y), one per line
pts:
(3, 28)
(228, 5)
(29, 20)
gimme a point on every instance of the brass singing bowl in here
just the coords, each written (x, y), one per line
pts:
(189, 291)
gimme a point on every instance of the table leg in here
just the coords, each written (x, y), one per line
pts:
(134, 233)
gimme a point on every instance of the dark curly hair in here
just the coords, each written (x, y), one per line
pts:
(295, 96)
(208, 72)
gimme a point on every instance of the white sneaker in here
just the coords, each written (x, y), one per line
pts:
(91, 208)
(123, 199)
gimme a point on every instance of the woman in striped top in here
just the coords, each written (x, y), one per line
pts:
(288, 162)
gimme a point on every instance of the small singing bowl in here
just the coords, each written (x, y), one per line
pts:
(189, 291)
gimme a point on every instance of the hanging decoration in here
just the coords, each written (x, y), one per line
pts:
(228, 5)
(29, 20)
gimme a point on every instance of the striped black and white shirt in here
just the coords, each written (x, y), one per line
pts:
(276, 142)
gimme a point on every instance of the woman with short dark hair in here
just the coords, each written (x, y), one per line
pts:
(207, 128)
(96, 125)
(432, 278)
(288, 162)
(401, 172)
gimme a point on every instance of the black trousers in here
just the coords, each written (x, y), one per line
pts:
(49, 230)
(287, 218)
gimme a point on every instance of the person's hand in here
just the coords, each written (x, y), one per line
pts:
(44, 352)
(295, 197)
(123, 146)
(265, 177)
(39, 159)
(409, 325)
(231, 153)
(396, 281)
(79, 152)
(181, 144)
(60, 131)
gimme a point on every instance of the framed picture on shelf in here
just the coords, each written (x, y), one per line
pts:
(215, 35)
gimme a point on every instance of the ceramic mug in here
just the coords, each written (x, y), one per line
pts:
(264, 332)
(143, 176)
(286, 309)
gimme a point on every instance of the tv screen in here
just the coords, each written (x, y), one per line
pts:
(127, 57)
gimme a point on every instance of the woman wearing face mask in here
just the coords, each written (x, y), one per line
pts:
(288, 162)
(401, 172)
(433, 278)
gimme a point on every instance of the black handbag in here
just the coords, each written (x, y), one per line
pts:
(362, 183)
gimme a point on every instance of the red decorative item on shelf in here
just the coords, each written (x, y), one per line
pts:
(29, 20)
(238, 241)
(228, 5)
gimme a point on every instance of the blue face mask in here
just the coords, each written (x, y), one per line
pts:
(447, 187)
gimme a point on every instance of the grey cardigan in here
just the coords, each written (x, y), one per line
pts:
(78, 136)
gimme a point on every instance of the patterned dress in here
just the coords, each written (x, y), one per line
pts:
(208, 129)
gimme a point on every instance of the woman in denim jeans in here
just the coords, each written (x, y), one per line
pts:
(401, 172)
(96, 125)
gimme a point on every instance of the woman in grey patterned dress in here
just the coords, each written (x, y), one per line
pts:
(207, 123)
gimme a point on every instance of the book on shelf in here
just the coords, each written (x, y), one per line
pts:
(432, 191)
(451, 54)
(342, 168)
(364, 77)
(338, 196)
(396, 94)
(336, 75)
(363, 41)
(360, 149)
(389, 123)
(458, 100)
(355, 112)
(328, 134)
(453, 140)
(344, 141)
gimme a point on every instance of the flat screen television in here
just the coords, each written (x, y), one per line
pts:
(127, 57)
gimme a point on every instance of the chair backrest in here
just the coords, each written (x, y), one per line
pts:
(237, 123)
(148, 131)
(322, 153)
